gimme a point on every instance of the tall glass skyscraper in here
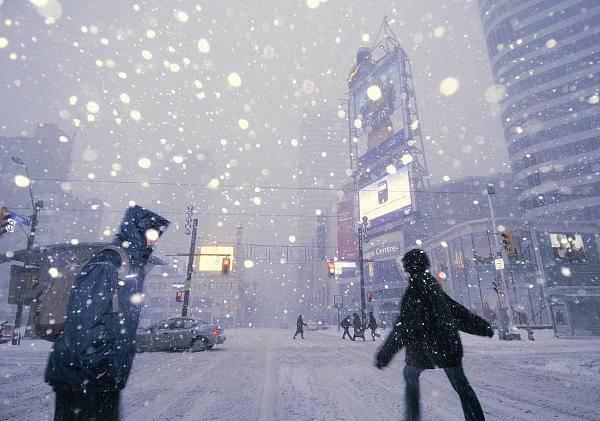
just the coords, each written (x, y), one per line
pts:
(545, 58)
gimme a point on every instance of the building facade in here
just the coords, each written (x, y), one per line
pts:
(545, 59)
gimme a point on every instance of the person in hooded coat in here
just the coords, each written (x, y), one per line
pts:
(91, 360)
(345, 324)
(300, 327)
(372, 325)
(428, 327)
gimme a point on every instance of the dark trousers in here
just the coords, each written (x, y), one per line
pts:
(299, 331)
(346, 332)
(94, 406)
(468, 399)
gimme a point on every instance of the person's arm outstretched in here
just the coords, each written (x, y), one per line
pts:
(467, 321)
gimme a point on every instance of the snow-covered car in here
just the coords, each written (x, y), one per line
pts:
(180, 333)
(319, 324)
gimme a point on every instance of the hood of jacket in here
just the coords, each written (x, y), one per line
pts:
(422, 281)
(132, 233)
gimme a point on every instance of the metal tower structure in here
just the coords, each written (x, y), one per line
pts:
(386, 47)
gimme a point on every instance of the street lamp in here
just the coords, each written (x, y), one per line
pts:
(16, 339)
(20, 162)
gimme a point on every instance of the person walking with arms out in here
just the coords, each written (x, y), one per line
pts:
(300, 327)
(428, 327)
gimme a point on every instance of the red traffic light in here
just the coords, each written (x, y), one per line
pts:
(225, 265)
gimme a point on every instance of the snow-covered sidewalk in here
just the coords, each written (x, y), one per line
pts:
(262, 374)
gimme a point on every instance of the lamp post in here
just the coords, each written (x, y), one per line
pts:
(504, 324)
(362, 237)
(16, 339)
(190, 229)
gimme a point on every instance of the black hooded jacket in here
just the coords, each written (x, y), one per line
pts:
(428, 327)
(300, 324)
(96, 349)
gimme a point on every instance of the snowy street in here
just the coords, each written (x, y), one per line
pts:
(262, 374)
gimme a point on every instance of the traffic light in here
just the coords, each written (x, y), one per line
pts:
(6, 224)
(225, 265)
(497, 287)
(369, 296)
(508, 242)
(179, 296)
(331, 269)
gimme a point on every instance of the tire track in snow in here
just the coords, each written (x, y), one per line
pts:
(268, 402)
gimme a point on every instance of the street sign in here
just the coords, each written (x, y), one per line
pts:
(23, 220)
(10, 225)
(499, 263)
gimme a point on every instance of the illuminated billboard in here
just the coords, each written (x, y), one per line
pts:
(211, 258)
(345, 269)
(386, 198)
(568, 247)
(346, 234)
(376, 110)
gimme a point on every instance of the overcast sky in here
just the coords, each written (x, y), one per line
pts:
(157, 90)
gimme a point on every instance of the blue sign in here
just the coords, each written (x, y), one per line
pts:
(23, 220)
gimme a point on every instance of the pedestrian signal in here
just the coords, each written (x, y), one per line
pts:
(179, 296)
(225, 265)
(508, 242)
(369, 296)
(497, 287)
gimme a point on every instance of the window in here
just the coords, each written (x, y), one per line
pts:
(568, 247)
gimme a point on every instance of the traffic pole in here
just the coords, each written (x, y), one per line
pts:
(363, 305)
(16, 338)
(190, 269)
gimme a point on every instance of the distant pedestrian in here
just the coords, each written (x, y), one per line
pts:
(359, 329)
(530, 331)
(428, 327)
(372, 325)
(91, 359)
(300, 327)
(346, 323)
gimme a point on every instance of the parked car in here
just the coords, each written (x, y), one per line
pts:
(180, 333)
(6, 332)
(319, 324)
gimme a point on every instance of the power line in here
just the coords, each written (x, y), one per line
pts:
(289, 215)
(273, 187)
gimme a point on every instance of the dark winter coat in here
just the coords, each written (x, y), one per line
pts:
(428, 327)
(357, 324)
(346, 323)
(300, 324)
(372, 323)
(96, 349)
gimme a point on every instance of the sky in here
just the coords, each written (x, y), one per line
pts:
(213, 94)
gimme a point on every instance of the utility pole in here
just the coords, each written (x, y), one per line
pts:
(36, 206)
(16, 339)
(362, 236)
(190, 267)
(491, 190)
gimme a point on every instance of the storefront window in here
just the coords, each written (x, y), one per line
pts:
(482, 248)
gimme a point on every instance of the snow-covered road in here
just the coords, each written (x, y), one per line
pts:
(263, 374)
